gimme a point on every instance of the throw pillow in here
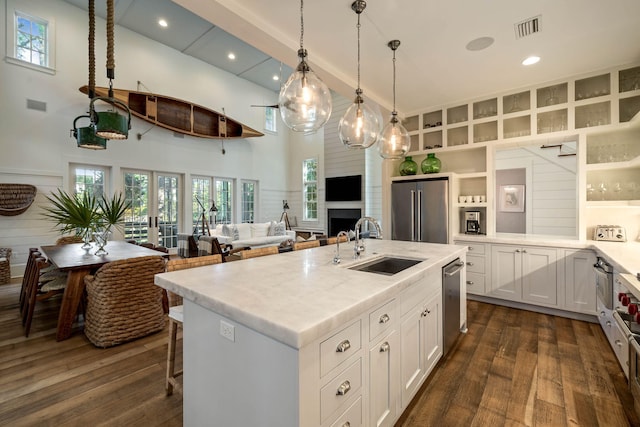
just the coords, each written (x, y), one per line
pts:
(279, 229)
(234, 231)
(260, 229)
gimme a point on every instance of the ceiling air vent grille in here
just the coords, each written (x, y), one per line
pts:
(527, 27)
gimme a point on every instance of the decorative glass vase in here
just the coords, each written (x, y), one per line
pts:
(431, 164)
(408, 167)
(86, 234)
(101, 236)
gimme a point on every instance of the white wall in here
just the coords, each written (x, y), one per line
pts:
(36, 147)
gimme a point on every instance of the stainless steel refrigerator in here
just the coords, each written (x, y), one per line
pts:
(420, 210)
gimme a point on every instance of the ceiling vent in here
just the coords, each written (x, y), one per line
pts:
(527, 27)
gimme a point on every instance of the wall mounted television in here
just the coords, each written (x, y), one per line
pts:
(343, 188)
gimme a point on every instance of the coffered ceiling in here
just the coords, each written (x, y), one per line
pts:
(434, 67)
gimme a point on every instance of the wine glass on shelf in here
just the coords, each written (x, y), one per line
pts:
(590, 191)
(602, 189)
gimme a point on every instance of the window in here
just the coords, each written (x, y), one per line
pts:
(270, 119)
(201, 191)
(30, 39)
(310, 189)
(248, 201)
(224, 200)
(89, 179)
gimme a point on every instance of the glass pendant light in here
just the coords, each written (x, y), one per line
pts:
(360, 125)
(304, 100)
(395, 141)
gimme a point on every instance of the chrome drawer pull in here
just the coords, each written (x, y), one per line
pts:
(469, 282)
(469, 263)
(344, 388)
(384, 318)
(343, 346)
(470, 248)
(619, 343)
(384, 347)
(347, 424)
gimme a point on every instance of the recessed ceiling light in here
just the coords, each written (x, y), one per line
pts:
(531, 60)
(276, 77)
(480, 43)
(231, 56)
(163, 23)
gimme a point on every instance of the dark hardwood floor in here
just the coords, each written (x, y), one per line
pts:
(513, 368)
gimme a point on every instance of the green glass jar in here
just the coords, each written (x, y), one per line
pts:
(431, 164)
(408, 167)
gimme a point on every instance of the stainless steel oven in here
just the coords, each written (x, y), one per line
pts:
(604, 282)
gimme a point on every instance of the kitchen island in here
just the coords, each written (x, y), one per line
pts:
(292, 339)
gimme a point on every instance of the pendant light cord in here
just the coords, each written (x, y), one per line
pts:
(394, 80)
(92, 54)
(301, 23)
(358, 27)
(111, 63)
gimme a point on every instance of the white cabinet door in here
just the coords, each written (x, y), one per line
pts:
(383, 377)
(579, 281)
(412, 354)
(506, 269)
(432, 319)
(539, 275)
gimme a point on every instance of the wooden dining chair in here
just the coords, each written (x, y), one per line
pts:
(258, 252)
(176, 317)
(123, 302)
(41, 284)
(306, 245)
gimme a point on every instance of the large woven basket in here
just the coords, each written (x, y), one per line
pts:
(16, 198)
(122, 301)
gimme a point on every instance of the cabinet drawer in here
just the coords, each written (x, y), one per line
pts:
(381, 319)
(475, 264)
(475, 283)
(339, 347)
(474, 248)
(340, 389)
(352, 417)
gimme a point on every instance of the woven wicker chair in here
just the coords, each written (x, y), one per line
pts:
(176, 316)
(122, 301)
(67, 240)
(258, 252)
(306, 245)
(5, 265)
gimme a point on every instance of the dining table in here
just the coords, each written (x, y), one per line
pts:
(79, 262)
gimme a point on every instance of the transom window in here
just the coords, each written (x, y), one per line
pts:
(32, 41)
(310, 189)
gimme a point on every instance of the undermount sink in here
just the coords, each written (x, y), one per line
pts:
(386, 265)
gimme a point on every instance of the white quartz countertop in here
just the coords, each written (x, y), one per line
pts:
(298, 296)
(625, 256)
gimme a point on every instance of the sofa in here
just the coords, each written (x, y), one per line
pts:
(253, 235)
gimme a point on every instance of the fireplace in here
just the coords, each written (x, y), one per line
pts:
(342, 220)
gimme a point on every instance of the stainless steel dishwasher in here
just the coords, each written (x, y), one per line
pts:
(451, 302)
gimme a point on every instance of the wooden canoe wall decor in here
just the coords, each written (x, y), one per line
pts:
(179, 116)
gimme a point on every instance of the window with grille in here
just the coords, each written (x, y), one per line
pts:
(248, 201)
(223, 197)
(30, 39)
(201, 195)
(89, 179)
(310, 189)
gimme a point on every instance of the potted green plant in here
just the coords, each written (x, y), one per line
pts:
(73, 213)
(85, 215)
(111, 212)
